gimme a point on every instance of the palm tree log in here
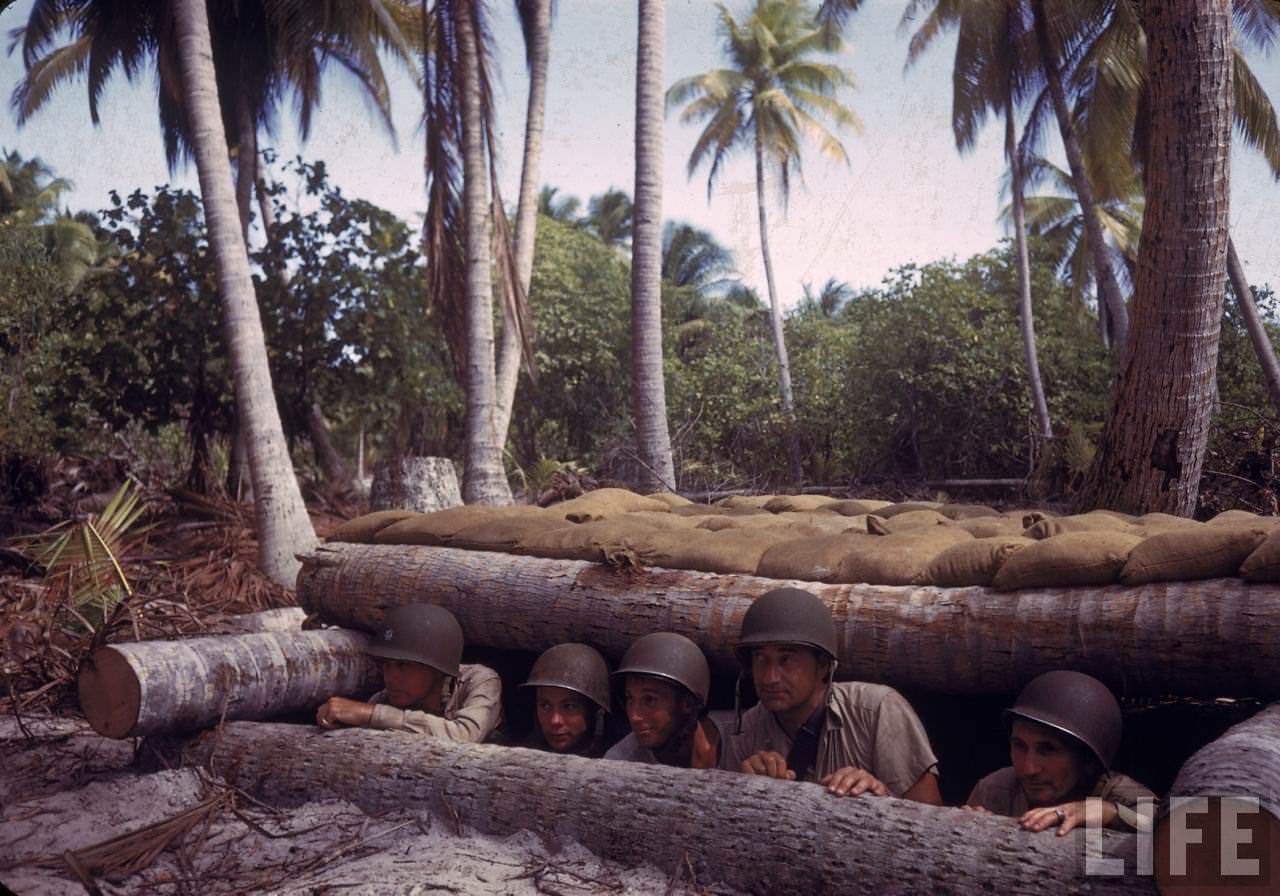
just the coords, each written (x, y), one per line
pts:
(167, 687)
(1153, 443)
(1243, 762)
(1208, 638)
(755, 834)
(1261, 342)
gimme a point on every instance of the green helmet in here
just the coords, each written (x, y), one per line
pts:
(1075, 704)
(787, 616)
(672, 657)
(420, 633)
(577, 667)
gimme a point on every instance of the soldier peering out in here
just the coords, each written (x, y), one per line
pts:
(571, 698)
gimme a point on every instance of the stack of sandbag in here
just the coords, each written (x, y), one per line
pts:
(822, 539)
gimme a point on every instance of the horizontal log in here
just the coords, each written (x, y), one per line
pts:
(167, 687)
(281, 619)
(1198, 639)
(754, 834)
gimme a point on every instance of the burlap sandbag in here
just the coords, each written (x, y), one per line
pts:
(731, 551)
(671, 499)
(967, 511)
(604, 503)
(1263, 565)
(362, 529)
(896, 559)
(435, 529)
(1244, 518)
(990, 526)
(830, 523)
(1151, 523)
(658, 547)
(798, 503)
(505, 533)
(581, 541)
(756, 501)
(889, 511)
(706, 510)
(766, 523)
(665, 520)
(973, 562)
(809, 559)
(915, 519)
(1206, 552)
(851, 507)
(1093, 521)
(1076, 558)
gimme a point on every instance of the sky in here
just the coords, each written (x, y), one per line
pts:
(906, 195)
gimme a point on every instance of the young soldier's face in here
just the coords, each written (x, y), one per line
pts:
(563, 716)
(1047, 767)
(786, 676)
(654, 709)
(411, 684)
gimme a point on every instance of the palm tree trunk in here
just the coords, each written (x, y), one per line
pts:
(484, 481)
(246, 163)
(1152, 447)
(284, 529)
(1262, 346)
(539, 52)
(648, 385)
(1108, 288)
(1025, 314)
(775, 319)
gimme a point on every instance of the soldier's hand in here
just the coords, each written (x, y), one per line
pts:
(769, 764)
(850, 781)
(339, 711)
(981, 810)
(1069, 816)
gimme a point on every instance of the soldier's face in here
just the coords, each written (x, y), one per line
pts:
(563, 716)
(1047, 766)
(786, 677)
(411, 684)
(654, 709)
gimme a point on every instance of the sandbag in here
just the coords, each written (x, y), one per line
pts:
(1206, 552)
(505, 533)
(362, 529)
(770, 524)
(967, 511)
(797, 503)
(1074, 558)
(664, 520)
(671, 499)
(973, 562)
(435, 529)
(657, 547)
(1263, 565)
(990, 526)
(830, 523)
(752, 501)
(1244, 518)
(809, 559)
(604, 503)
(896, 559)
(706, 510)
(582, 541)
(889, 511)
(915, 519)
(1093, 521)
(852, 507)
(731, 551)
(1152, 523)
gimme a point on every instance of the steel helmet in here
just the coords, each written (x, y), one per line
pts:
(672, 657)
(787, 616)
(577, 667)
(1075, 704)
(420, 633)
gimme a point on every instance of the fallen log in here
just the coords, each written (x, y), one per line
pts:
(280, 619)
(1208, 638)
(1220, 828)
(165, 687)
(754, 834)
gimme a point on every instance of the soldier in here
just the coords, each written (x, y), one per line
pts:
(1064, 731)
(667, 681)
(571, 699)
(425, 689)
(852, 737)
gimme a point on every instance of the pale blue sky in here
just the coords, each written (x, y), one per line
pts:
(906, 194)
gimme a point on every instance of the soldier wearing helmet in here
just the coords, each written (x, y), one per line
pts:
(1064, 731)
(426, 689)
(666, 682)
(571, 697)
(852, 737)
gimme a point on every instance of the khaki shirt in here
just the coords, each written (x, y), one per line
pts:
(869, 726)
(629, 749)
(471, 711)
(1000, 792)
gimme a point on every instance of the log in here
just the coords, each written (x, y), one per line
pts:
(280, 619)
(1242, 763)
(167, 687)
(754, 834)
(423, 484)
(1201, 639)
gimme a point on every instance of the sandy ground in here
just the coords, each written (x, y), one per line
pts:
(63, 788)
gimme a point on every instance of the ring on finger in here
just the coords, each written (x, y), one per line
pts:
(1060, 815)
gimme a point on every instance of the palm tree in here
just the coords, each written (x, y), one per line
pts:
(29, 196)
(284, 529)
(772, 95)
(827, 301)
(609, 216)
(692, 258)
(563, 209)
(648, 389)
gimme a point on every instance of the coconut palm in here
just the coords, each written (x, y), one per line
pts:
(773, 95)
(609, 216)
(29, 196)
(828, 299)
(692, 258)
(644, 220)
(563, 208)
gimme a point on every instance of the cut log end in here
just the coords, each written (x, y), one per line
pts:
(109, 692)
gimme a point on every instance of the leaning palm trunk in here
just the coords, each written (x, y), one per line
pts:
(1025, 315)
(1108, 289)
(527, 209)
(484, 480)
(284, 529)
(775, 319)
(649, 400)
(1262, 346)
